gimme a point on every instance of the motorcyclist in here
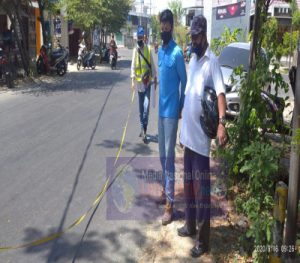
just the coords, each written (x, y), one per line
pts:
(82, 42)
(113, 46)
(83, 36)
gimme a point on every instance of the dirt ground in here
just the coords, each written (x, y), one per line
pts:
(167, 246)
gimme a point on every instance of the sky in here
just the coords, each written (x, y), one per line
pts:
(157, 5)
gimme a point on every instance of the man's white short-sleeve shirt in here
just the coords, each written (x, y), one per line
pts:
(203, 72)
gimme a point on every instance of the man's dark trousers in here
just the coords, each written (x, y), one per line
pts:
(197, 195)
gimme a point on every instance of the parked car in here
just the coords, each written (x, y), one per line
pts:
(231, 57)
(237, 54)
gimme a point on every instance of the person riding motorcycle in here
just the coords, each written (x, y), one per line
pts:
(113, 46)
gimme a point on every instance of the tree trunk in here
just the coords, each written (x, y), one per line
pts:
(13, 8)
(294, 181)
(24, 56)
(24, 50)
(253, 50)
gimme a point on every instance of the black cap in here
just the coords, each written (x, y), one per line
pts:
(199, 25)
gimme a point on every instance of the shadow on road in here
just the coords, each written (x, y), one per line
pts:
(95, 247)
(136, 148)
(121, 64)
(75, 82)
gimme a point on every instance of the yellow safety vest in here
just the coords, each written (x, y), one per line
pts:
(141, 66)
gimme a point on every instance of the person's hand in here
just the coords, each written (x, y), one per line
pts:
(222, 135)
(180, 115)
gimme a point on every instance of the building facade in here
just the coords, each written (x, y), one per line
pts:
(31, 41)
(219, 13)
(281, 11)
(234, 14)
(33, 30)
(191, 8)
(140, 14)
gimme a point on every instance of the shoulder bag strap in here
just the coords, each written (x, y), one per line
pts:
(144, 58)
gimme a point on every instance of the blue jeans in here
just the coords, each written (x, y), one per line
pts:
(144, 99)
(167, 133)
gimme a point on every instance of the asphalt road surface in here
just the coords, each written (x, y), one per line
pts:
(56, 139)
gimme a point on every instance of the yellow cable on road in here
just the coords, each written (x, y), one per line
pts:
(57, 235)
(125, 129)
(95, 203)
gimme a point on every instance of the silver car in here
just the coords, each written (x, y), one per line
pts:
(232, 56)
(237, 54)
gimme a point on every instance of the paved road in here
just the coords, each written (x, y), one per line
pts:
(55, 138)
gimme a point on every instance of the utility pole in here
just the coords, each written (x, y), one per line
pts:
(292, 205)
(292, 5)
(142, 2)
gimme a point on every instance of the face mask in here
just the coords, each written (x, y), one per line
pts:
(140, 43)
(166, 37)
(197, 49)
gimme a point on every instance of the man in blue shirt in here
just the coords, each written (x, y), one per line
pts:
(172, 73)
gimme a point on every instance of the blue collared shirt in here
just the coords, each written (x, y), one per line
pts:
(172, 72)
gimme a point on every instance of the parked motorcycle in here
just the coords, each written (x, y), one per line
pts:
(275, 106)
(104, 54)
(52, 60)
(5, 72)
(97, 50)
(86, 59)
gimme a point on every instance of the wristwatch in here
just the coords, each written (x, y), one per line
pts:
(222, 120)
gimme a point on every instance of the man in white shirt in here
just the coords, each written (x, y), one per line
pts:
(142, 73)
(204, 70)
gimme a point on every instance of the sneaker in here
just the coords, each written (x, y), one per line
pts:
(145, 138)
